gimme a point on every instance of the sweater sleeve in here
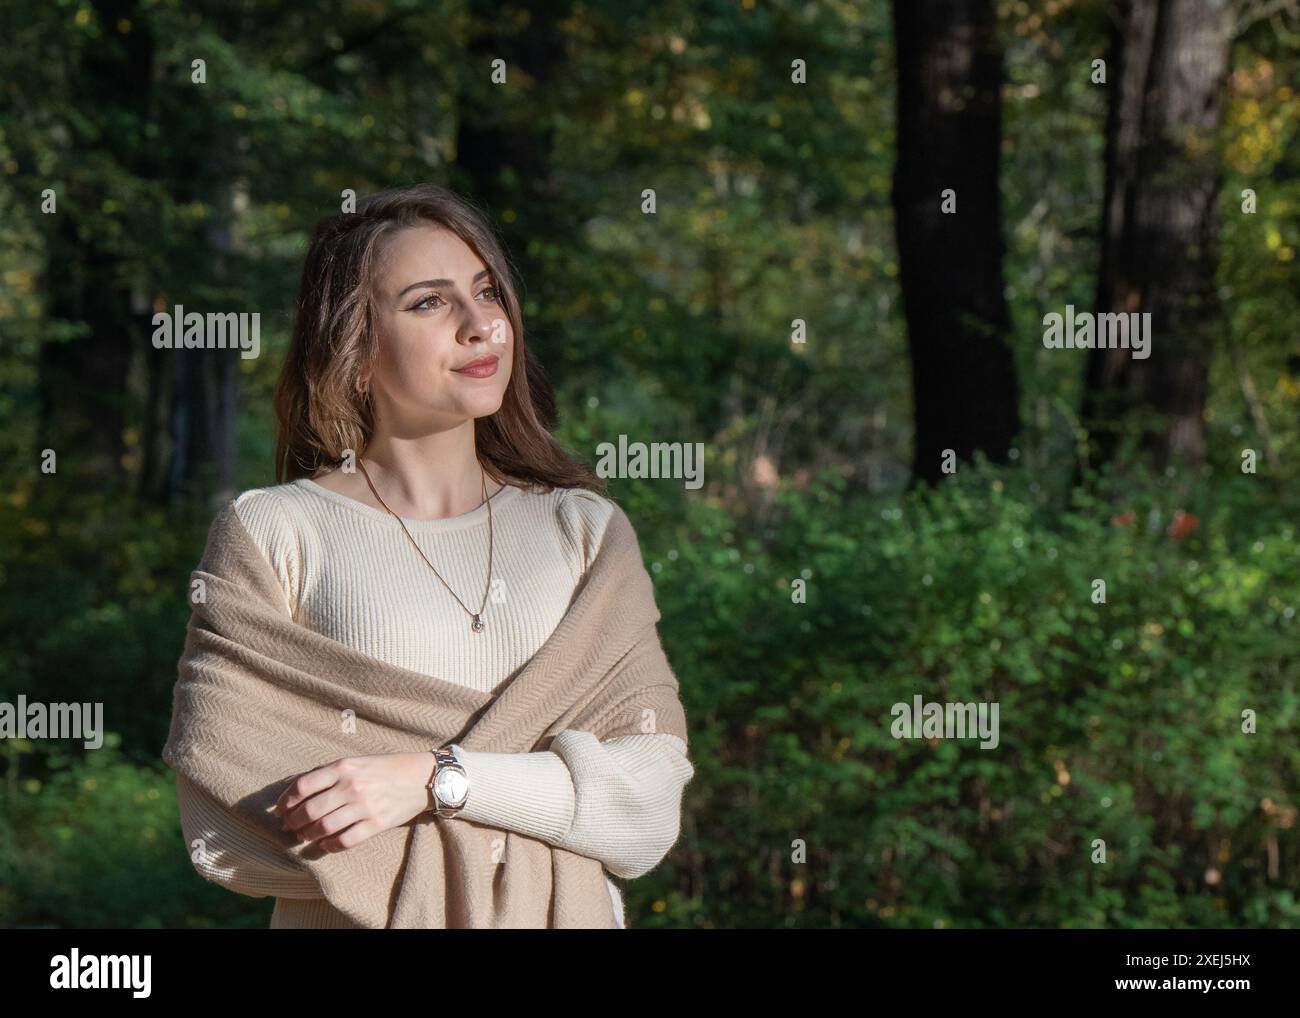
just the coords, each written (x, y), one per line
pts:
(223, 846)
(227, 850)
(263, 515)
(581, 517)
(618, 801)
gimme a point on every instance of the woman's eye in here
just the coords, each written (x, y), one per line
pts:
(489, 293)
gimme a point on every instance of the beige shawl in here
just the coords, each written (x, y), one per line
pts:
(260, 699)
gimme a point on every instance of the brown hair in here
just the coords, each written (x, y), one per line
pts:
(319, 411)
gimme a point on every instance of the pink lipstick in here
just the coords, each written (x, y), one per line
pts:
(480, 367)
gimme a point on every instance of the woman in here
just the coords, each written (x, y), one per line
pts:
(426, 518)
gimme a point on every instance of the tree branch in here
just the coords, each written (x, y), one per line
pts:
(1255, 11)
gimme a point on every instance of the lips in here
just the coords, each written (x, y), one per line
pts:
(480, 367)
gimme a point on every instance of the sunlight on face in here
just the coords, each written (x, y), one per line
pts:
(438, 310)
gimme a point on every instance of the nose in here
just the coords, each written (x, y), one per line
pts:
(479, 324)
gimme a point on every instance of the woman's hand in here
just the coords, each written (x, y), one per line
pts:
(345, 802)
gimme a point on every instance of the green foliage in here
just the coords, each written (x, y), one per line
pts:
(94, 841)
(1119, 721)
(93, 605)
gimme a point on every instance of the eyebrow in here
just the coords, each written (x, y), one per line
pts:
(442, 282)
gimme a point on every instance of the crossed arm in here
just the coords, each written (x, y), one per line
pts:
(618, 801)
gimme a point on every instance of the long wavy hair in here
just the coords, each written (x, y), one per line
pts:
(319, 411)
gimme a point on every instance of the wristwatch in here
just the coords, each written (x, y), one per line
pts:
(449, 785)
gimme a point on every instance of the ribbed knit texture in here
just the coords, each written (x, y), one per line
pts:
(348, 572)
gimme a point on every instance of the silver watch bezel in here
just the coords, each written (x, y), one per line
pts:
(445, 759)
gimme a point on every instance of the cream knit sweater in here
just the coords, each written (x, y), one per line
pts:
(349, 572)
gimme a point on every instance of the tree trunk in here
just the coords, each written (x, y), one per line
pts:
(205, 383)
(950, 263)
(503, 159)
(503, 155)
(82, 387)
(1167, 67)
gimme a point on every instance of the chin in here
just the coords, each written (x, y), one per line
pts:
(485, 407)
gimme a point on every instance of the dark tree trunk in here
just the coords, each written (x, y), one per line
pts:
(82, 382)
(82, 388)
(155, 445)
(205, 396)
(503, 154)
(503, 159)
(1167, 67)
(205, 391)
(949, 137)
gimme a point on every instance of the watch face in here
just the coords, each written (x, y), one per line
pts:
(451, 786)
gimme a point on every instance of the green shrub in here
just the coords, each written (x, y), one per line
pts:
(1119, 721)
(97, 843)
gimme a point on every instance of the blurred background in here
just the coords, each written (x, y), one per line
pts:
(860, 352)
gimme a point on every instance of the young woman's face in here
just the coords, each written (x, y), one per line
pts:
(439, 311)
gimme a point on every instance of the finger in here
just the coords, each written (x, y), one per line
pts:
(277, 807)
(334, 822)
(313, 808)
(306, 784)
(351, 837)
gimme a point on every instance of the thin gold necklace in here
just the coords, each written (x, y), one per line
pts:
(476, 623)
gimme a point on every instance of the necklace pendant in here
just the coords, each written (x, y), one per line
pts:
(477, 624)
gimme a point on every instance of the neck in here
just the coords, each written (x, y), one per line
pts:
(428, 476)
